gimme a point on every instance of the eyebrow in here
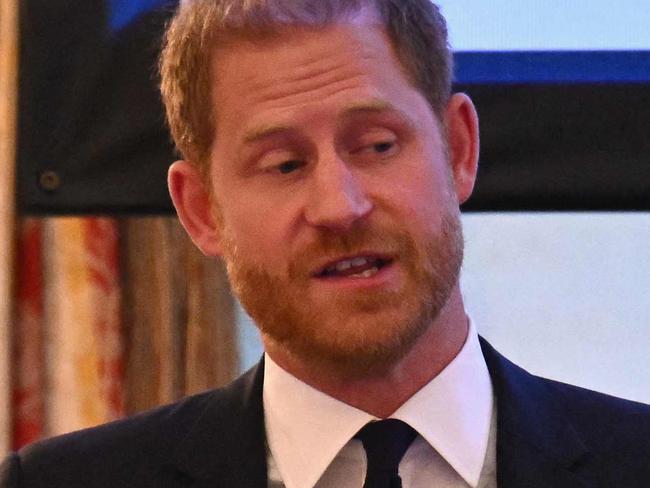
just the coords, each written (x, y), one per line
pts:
(266, 131)
(371, 106)
(368, 107)
(377, 106)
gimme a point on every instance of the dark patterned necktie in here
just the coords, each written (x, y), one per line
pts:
(385, 442)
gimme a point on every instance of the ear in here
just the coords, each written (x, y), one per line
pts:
(462, 129)
(194, 207)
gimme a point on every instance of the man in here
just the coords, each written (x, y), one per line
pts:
(325, 159)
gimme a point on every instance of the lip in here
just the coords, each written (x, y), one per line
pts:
(388, 259)
(386, 277)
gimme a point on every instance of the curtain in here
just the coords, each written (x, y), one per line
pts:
(113, 316)
(179, 315)
(100, 317)
(27, 358)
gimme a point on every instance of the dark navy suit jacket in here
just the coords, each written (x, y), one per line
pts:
(549, 434)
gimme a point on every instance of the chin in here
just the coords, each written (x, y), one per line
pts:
(353, 344)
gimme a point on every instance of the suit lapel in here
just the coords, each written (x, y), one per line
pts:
(227, 445)
(536, 444)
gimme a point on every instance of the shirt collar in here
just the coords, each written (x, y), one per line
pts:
(453, 411)
(306, 428)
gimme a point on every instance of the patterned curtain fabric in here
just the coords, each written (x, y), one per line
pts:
(28, 358)
(113, 317)
(84, 345)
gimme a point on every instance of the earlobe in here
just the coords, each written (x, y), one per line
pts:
(463, 133)
(194, 206)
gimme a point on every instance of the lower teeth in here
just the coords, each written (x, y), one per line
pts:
(366, 274)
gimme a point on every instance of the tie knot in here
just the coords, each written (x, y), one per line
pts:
(385, 442)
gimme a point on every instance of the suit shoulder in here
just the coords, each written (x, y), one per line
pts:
(611, 424)
(10, 472)
(579, 399)
(610, 434)
(111, 454)
(586, 408)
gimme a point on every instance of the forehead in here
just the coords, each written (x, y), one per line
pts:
(302, 74)
(299, 53)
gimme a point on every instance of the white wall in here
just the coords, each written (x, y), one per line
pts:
(565, 295)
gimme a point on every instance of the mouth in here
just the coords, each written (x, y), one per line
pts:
(356, 267)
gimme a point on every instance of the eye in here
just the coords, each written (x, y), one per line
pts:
(383, 147)
(380, 149)
(281, 161)
(289, 166)
(375, 142)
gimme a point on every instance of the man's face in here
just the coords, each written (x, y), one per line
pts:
(338, 218)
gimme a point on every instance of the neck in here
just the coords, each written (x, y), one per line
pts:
(383, 394)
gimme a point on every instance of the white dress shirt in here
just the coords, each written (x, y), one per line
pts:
(310, 434)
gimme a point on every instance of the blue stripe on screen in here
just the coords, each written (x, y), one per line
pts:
(552, 67)
(123, 12)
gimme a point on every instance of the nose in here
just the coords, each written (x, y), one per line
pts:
(337, 198)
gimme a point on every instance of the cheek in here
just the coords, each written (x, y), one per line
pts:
(418, 183)
(260, 237)
(421, 202)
